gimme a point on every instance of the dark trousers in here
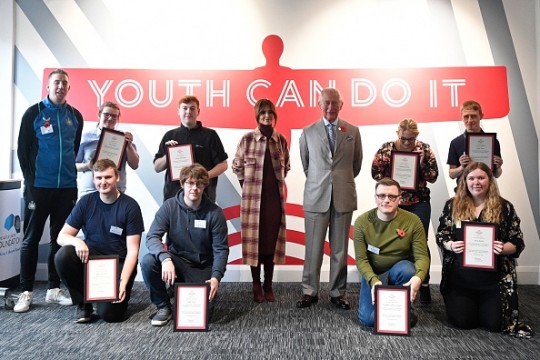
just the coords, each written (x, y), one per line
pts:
(423, 211)
(472, 308)
(39, 205)
(71, 271)
(186, 272)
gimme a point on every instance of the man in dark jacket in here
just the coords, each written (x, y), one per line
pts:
(196, 250)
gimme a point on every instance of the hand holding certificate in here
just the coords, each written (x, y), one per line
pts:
(191, 311)
(478, 241)
(112, 145)
(101, 279)
(178, 157)
(405, 166)
(392, 310)
(481, 147)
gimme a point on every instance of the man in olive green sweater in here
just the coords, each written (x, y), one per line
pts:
(390, 247)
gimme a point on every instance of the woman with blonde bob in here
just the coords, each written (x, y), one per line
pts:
(416, 201)
(476, 297)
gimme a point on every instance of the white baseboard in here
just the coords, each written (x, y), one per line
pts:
(527, 275)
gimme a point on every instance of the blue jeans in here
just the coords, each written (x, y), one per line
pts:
(399, 274)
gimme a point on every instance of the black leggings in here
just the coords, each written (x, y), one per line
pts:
(471, 308)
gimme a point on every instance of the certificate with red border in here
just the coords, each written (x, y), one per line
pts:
(392, 310)
(101, 278)
(405, 168)
(178, 157)
(481, 147)
(478, 240)
(112, 145)
(191, 307)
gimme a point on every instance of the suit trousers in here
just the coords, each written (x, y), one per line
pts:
(316, 226)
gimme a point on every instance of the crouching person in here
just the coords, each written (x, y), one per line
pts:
(112, 224)
(391, 249)
(196, 249)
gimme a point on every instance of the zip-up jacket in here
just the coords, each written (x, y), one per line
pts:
(49, 140)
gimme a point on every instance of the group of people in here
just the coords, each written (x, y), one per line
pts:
(187, 241)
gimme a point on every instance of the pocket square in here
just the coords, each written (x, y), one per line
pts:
(349, 138)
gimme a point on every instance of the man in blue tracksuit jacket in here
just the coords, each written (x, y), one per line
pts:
(48, 142)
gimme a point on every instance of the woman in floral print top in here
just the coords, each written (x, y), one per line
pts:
(476, 297)
(416, 201)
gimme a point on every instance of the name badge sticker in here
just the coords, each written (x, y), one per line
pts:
(373, 249)
(116, 230)
(200, 224)
(46, 130)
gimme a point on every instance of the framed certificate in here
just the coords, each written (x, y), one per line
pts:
(392, 310)
(112, 145)
(191, 307)
(178, 157)
(101, 279)
(404, 169)
(481, 147)
(478, 240)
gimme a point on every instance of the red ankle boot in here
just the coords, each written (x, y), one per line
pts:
(257, 292)
(268, 292)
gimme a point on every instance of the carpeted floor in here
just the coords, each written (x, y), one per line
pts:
(243, 329)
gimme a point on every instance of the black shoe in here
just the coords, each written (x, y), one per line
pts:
(84, 313)
(340, 303)
(425, 295)
(413, 318)
(306, 301)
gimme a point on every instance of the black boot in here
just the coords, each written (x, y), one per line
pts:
(425, 295)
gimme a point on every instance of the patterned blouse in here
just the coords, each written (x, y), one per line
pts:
(429, 171)
(509, 230)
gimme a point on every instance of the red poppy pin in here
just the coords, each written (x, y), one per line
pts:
(342, 128)
(46, 122)
(400, 232)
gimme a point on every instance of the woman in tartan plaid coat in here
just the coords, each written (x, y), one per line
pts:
(261, 164)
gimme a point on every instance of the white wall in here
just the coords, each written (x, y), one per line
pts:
(318, 34)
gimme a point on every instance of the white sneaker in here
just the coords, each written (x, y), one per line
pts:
(23, 303)
(57, 296)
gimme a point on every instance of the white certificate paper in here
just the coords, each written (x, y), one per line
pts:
(112, 145)
(480, 147)
(404, 167)
(479, 239)
(191, 307)
(178, 157)
(392, 310)
(101, 279)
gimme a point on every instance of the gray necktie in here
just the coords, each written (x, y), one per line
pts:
(331, 137)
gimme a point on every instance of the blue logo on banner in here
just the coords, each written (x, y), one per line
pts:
(12, 221)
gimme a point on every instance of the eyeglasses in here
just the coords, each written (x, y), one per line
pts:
(192, 184)
(404, 139)
(110, 116)
(384, 196)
